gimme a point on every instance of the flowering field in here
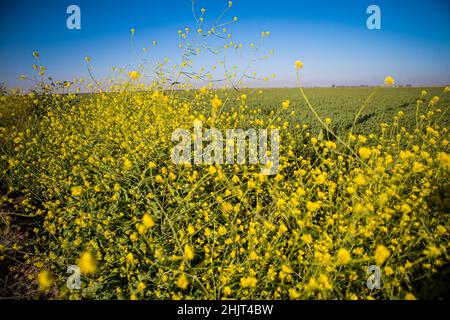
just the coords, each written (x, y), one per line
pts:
(88, 180)
(97, 176)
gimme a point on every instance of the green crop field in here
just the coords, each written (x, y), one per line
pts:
(88, 179)
(342, 104)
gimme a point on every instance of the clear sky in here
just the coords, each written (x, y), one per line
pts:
(330, 37)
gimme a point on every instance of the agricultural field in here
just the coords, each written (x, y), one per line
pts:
(342, 104)
(89, 180)
(184, 175)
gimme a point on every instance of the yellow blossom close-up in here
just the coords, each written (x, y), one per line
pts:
(389, 81)
(87, 263)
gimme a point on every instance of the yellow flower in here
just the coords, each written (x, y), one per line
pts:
(222, 230)
(418, 167)
(389, 81)
(381, 254)
(190, 229)
(282, 229)
(188, 252)
(182, 282)
(405, 155)
(434, 100)
(312, 206)
(216, 102)
(280, 203)
(226, 291)
(298, 65)
(212, 170)
(285, 104)
(141, 286)
(76, 191)
(248, 282)
(307, 238)
(343, 256)
(134, 75)
(148, 221)
(320, 179)
(434, 251)
(44, 279)
(286, 269)
(388, 271)
(410, 296)
(87, 263)
(360, 180)
(364, 153)
(441, 230)
(127, 164)
(444, 159)
(323, 279)
(235, 179)
(312, 284)
(293, 294)
(362, 139)
(405, 208)
(330, 145)
(130, 258)
(134, 237)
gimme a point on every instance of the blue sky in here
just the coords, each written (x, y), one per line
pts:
(330, 37)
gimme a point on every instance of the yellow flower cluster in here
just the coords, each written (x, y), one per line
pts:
(87, 263)
(232, 230)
